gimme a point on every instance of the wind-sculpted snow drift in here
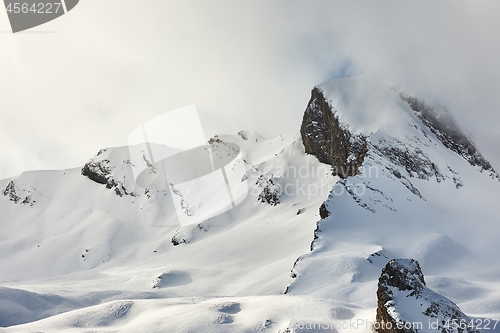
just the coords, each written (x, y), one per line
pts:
(392, 181)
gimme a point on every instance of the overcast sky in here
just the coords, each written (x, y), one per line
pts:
(86, 80)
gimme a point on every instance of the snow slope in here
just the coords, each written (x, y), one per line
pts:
(89, 244)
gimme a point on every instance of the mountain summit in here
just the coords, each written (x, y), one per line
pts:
(336, 129)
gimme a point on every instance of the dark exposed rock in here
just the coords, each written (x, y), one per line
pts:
(441, 122)
(13, 194)
(294, 274)
(243, 135)
(10, 191)
(402, 274)
(316, 232)
(100, 172)
(97, 171)
(271, 190)
(324, 137)
(413, 159)
(379, 255)
(323, 211)
(177, 241)
(184, 204)
(187, 235)
(401, 283)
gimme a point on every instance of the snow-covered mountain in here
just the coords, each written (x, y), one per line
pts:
(374, 174)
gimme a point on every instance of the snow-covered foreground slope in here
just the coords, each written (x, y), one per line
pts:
(89, 243)
(95, 252)
(229, 314)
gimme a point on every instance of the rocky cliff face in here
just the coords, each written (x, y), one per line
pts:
(331, 142)
(406, 305)
(402, 150)
(442, 123)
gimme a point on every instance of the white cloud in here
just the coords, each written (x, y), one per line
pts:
(111, 65)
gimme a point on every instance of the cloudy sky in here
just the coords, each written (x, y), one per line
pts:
(87, 79)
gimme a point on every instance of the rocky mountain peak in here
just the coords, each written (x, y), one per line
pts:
(444, 126)
(402, 274)
(345, 117)
(401, 287)
(330, 141)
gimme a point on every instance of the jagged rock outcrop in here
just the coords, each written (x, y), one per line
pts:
(271, 190)
(100, 171)
(331, 142)
(406, 305)
(442, 123)
(323, 211)
(178, 239)
(14, 194)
